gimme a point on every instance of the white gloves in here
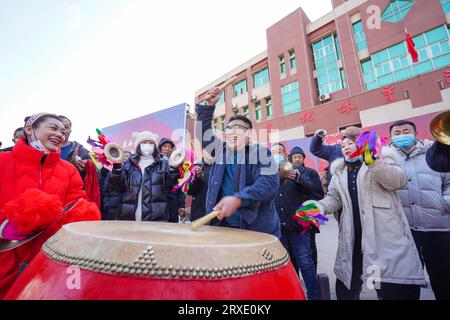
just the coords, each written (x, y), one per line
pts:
(321, 133)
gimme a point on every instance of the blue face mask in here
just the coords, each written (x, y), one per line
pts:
(279, 159)
(354, 160)
(404, 142)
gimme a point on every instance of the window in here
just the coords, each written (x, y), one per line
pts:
(445, 5)
(292, 60)
(282, 65)
(290, 96)
(245, 111)
(397, 10)
(326, 56)
(360, 36)
(240, 88)
(261, 78)
(269, 112)
(222, 98)
(258, 114)
(394, 63)
(222, 123)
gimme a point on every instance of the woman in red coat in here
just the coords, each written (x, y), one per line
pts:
(35, 186)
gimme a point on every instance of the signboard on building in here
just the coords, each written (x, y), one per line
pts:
(167, 123)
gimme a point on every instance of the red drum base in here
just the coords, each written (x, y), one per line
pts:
(64, 271)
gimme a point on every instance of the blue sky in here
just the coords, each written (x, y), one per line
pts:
(102, 62)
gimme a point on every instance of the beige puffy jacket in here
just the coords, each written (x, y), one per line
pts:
(387, 244)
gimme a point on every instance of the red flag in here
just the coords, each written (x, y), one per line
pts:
(411, 47)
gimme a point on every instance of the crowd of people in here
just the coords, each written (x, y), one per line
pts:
(393, 214)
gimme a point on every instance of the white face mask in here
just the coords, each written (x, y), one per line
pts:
(38, 145)
(147, 149)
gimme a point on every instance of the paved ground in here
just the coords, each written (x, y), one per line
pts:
(327, 247)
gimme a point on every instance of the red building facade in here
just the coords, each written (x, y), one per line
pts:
(350, 67)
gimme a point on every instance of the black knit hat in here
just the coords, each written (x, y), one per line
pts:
(297, 150)
(164, 141)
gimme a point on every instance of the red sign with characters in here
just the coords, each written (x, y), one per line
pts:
(447, 76)
(307, 117)
(347, 107)
(388, 93)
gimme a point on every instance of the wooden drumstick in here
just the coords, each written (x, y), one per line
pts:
(223, 86)
(197, 224)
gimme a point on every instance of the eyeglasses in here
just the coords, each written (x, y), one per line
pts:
(236, 127)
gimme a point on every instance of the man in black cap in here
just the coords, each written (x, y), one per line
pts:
(175, 200)
(301, 184)
(166, 147)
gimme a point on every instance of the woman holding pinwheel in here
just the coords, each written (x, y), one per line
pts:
(375, 242)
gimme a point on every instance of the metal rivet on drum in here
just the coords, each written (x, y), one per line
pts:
(145, 272)
(152, 272)
(200, 274)
(194, 274)
(159, 273)
(154, 263)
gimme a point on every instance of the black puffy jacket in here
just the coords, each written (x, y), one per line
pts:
(111, 201)
(158, 181)
(198, 190)
(291, 195)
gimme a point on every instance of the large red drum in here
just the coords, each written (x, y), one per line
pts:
(129, 260)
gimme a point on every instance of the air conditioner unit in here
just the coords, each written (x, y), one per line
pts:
(324, 97)
(253, 97)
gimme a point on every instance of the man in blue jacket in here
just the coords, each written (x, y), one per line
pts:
(243, 180)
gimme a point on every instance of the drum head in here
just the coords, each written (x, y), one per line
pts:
(165, 250)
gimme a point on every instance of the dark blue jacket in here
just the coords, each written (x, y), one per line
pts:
(438, 157)
(291, 195)
(258, 180)
(328, 153)
(175, 201)
(198, 190)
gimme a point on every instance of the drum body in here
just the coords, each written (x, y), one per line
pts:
(158, 261)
